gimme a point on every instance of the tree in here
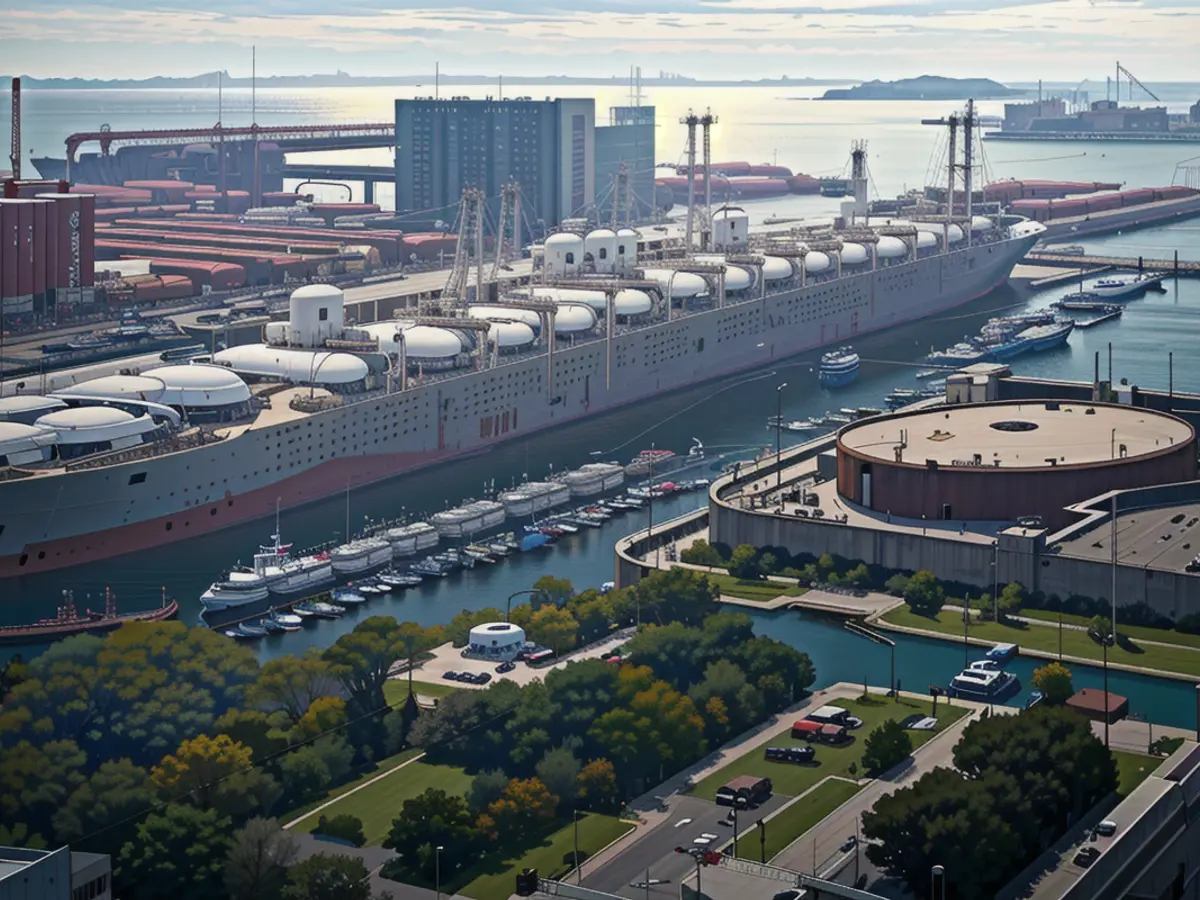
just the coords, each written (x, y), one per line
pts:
(673, 652)
(328, 877)
(598, 789)
(105, 803)
(309, 771)
(1011, 599)
(939, 821)
(896, 584)
(35, 782)
(345, 827)
(486, 787)
(324, 716)
(826, 567)
(292, 683)
(559, 770)
(259, 731)
(1100, 628)
(741, 702)
(525, 806)
(362, 659)
(887, 746)
(594, 613)
(702, 553)
(581, 692)
(553, 627)
(554, 590)
(859, 576)
(259, 855)
(432, 819)
(677, 595)
(1054, 681)
(1058, 765)
(658, 726)
(213, 773)
(924, 594)
(768, 564)
(415, 641)
(460, 626)
(744, 563)
(179, 852)
(790, 671)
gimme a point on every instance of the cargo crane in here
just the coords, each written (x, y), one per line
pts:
(1132, 79)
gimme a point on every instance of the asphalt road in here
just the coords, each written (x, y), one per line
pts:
(656, 850)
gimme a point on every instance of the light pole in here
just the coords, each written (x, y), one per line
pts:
(650, 503)
(575, 823)
(779, 433)
(508, 604)
(996, 581)
(966, 623)
(437, 871)
(1106, 639)
(937, 879)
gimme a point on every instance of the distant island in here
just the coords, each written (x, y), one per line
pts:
(926, 87)
(211, 80)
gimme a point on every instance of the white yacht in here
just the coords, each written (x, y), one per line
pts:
(357, 556)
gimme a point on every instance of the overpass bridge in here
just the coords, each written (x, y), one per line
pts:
(1173, 266)
(368, 175)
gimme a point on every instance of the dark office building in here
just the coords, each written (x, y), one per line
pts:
(628, 139)
(547, 146)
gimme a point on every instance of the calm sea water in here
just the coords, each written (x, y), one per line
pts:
(755, 124)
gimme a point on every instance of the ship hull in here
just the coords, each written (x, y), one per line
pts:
(60, 519)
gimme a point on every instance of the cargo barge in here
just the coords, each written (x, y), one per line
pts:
(70, 622)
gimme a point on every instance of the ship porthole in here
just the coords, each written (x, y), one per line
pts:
(24, 559)
(213, 511)
(41, 554)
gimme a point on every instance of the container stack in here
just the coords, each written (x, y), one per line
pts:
(47, 252)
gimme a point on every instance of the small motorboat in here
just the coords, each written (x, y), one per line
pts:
(928, 373)
(430, 567)
(479, 553)
(372, 588)
(399, 579)
(287, 621)
(349, 597)
(247, 632)
(272, 627)
(322, 610)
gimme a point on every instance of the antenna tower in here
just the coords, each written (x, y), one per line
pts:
(691, 120)
(706, 122)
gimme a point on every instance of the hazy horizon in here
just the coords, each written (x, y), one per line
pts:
(1007, 40)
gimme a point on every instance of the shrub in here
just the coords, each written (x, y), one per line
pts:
(346, 827)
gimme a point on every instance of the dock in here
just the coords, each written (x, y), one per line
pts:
(1088, 323)
(1167, 267)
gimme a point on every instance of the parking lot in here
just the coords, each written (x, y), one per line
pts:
(448, 658)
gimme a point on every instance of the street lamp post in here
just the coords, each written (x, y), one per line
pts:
(996, 580)
(937, 879)
(437, 871)
(779, 434)
(966, 624)
(1105, 641)
(735, 829)
(508, 604)
(575, 823)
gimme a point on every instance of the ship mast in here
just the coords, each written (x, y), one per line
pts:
(691, 120)
(968, 162)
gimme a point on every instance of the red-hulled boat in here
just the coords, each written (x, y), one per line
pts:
(69, 621)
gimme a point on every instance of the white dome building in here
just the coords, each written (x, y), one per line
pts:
(203, 392)
(22, 444)
(343, 371)
(500, 641)
(563, 254)
(632, 302)
(85, 430)
(600, 250)
(316, 313)
(737, 278)
(118, 387)
(27, 408)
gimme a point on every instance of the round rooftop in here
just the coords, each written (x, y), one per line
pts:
(1016, 435)
(21, 403)
(81, 417)
(135, 387)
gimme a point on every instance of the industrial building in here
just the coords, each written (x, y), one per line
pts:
(1022, 475)
(546, 146)
(626, 141)
(47, 252)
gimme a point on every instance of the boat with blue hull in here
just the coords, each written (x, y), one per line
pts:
(838, 367)
(984, 685)
(1047, 337)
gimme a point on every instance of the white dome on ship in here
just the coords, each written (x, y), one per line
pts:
(495, 313)
(678, 284)
(927, 240)
(25, 408)
(737, 278)
(890, 247)
(427, 342)
(776, 268)
(200, 385)
(980, 224)
(632, 302)
(595, 299)
(572, 318)
(601, 245)
(816, 261)
(955, 234)
(295, 366)
(20, 444)
(563, 253)
(506, 335)
(854, 254)
(117, 387)
(96, 424)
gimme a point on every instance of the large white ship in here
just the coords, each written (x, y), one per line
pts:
(126, 463)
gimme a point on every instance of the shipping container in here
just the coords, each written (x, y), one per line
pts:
(260, 268)
(52, 266)
(804, 184)
(769, 171)
(25, 241)
(9, 240)
(264, 245)
(40, 237)
(163, 191)
(216, 275)
(388, 243)
(87, 240)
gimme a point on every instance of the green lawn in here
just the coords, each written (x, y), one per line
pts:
(1132, 770)
(1138, 632)
(791, 780)
(1179, 659)
(495, 878)
(379, 804)
(759, 591)
(395, 690)
(793, 821)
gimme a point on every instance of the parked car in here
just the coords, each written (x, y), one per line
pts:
(790, 754)
(1107, 828)
(506, 667)
(451, 675)
(1086, 856)
(848, 844)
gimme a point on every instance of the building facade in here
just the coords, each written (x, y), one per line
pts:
(547, 146)
(627, 140)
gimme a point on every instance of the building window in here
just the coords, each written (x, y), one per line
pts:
(604, 253)
(570, 259)
(323, 314)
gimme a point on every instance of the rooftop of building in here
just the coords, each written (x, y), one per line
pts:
(1017, 435)
(1167, 538)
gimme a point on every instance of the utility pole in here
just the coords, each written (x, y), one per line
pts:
(706, 122)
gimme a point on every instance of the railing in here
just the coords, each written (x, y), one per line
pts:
(188, 441)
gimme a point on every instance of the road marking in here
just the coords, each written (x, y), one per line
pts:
(683, 822)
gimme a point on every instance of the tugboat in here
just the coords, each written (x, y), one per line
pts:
(838, 368)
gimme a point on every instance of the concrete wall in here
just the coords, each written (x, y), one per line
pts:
(47, 877)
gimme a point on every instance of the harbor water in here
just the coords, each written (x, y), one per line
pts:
(729, 417)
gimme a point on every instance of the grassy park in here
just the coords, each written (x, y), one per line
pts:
(794, 820)
(792, 780)
(758, 591)
(1132, 770)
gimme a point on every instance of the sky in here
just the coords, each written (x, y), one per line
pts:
(1009, 40)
